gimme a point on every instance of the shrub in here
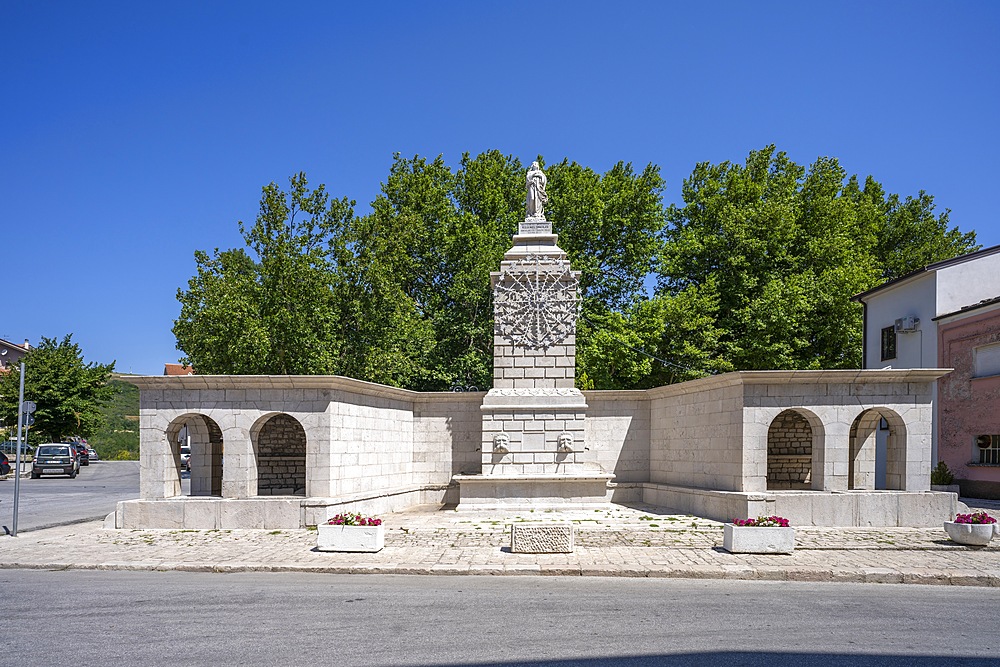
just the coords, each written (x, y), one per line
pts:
(941, 475)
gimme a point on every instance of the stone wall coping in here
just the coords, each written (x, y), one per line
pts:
(916, 375)
(336, 382)
(616, 394)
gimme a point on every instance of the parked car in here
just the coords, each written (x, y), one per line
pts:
(55, 459)
(4, 464)
(10, 448)
(74, 451)
(93, 454)
(186, 458)
(84, 454)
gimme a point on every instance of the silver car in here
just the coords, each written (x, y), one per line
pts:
(54, 459)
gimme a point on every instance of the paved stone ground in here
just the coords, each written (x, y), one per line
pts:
(633, 541)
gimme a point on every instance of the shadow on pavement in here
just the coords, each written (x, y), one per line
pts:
(750, 659)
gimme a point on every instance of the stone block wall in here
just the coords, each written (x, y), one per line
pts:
(617, 430)
(371, 443)
(696, 434)
(447, 429)
(516, 367)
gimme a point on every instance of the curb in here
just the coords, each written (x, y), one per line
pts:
(738, 573)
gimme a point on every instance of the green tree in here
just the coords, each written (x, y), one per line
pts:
(271, 308)
(432, 240)
(69, 394)
(402, 295)
(914, 237)
(609, 224)
(784, 248)
(118, 437)
(754, 270)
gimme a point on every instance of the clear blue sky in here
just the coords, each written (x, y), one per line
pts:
(134, 133)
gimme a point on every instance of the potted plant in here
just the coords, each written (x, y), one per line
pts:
(763, 535)
(351, 532)
(973, 529)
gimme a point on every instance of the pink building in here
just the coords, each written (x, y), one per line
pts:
(968, 408)
(11, 353)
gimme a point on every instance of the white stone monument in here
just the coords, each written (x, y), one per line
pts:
(534, 452)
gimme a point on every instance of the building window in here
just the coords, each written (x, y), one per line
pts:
(888, 343)
(989, 449)
(987, 359)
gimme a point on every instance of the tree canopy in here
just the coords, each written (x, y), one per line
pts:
(754, 269)
(781, 248)
(69, 394)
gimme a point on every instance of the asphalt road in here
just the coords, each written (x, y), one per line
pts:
(151, 619)
(52, 501)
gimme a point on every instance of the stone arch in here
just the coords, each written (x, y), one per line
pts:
(794, 439)
(877, 442)
(279, 445)
(204, 436)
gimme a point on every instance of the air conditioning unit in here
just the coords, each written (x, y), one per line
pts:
(907, 324)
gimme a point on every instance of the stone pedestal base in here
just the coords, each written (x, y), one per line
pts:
(524, 492)
(533, 537)
(532, 421)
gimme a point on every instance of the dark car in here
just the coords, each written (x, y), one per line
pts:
(4, 464)
(55, 459)
(82, 453)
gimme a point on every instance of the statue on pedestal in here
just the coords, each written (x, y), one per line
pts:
(537, 198)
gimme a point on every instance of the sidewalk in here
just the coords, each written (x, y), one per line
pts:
(631, 541)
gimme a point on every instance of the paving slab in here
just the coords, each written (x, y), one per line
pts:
(626, 541)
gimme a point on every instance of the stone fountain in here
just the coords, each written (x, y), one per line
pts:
(534, 448)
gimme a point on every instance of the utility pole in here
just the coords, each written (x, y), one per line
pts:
(17, 457)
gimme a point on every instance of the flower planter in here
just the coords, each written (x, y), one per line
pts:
(367, 539)
(974, 534)
(757, 539)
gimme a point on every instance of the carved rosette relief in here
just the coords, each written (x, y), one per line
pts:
(535, 302)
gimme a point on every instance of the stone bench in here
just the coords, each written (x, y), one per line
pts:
(541, 538)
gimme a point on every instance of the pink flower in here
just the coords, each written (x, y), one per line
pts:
(344, 519)
(763, 522)
(978, 517)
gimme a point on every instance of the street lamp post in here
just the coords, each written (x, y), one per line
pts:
(17, 456)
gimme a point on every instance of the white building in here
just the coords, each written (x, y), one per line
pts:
(900, 330)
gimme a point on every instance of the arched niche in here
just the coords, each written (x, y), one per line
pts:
(279, 444)
(877, 457)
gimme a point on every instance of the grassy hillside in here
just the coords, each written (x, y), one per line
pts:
(119, 438)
